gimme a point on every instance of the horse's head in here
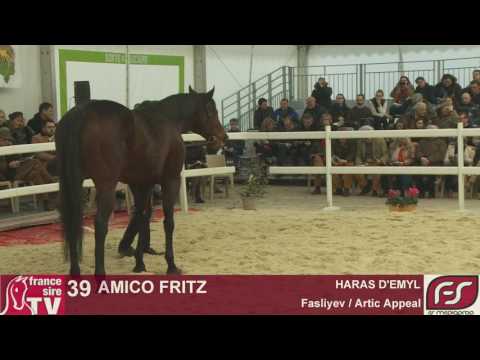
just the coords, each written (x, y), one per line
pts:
(17, 290)
(206, 122)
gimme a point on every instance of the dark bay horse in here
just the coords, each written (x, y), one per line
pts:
(107, 142)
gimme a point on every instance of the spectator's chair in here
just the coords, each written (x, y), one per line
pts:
(8, 185)
(218, 161)
(20, 183)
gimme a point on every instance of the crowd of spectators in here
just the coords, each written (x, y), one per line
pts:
(423, 106)
(28, 168)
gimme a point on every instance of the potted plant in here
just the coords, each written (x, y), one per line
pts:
(252, 190)
(400, 203)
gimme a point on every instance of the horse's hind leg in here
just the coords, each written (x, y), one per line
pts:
(170, 189)
(141, 220)
(105, 202)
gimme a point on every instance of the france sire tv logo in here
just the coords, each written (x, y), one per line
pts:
(451, 293)
(32, 295)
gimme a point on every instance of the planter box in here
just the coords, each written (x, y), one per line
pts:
(405, 208)
(249, 203)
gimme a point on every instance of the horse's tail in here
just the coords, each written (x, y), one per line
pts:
(68, 140)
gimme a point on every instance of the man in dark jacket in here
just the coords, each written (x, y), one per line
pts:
(360, 114)
(283, 111)
(323, 93)
(474, 91)
(45, 113)
(263, 111)
(315, 110)
(21, 134)
(427, 90)
(448, 87)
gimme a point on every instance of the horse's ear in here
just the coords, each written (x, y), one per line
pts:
(210, 93)
(190, 90)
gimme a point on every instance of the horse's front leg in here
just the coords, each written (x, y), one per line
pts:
(170, 190)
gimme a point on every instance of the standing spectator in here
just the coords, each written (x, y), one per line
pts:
(474, 91)
(322, 93)
(21, 134)
(315, 110)
(339, 111)
(283, 111)
(429, 152)
(361, 114)
(371, 152)
(380, 111)
(45, 113)
(447, 116)
(427, 90)
(448, 87)
(343, 154)
(3, 119)
(400, 94)
(467, 106)
(263, 111)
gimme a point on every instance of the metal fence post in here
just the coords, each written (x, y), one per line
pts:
(461, 182)
(328, 167)
(238, 107)
(269, 80)
(290, 84)
(284, 81)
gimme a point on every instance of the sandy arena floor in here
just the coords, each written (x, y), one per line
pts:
(290, 234)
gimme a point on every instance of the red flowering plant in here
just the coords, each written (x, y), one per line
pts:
(410, 197)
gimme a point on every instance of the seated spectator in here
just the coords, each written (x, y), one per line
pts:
(400, 94)
(361, 114)
(286, 149)
(448, 87)
(371, 152)
(399, 125)
(263, 111)
(427, 90)
(267, 150)
(464, 118)
(447, 117)
(316, 110)
(343, 154)
(306, 149)
(402, 154)
(234, 148)
(322, 93)
(3, 119)
(285, 110)
(21, 134)
(19, 167)
(429, 152)
(45, 113)
(420, 113)
(474, 91)
(475, 76)
(380, 111)
(339, 111)
(195, 158)
(467, 106)
(46, 135)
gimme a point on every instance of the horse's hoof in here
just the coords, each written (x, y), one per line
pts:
(152, 251)
(126, 253)
(174, 271)
(139, 268)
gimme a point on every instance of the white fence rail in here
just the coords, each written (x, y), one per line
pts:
(460, 170)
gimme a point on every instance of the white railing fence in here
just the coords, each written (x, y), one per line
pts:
(460, 170)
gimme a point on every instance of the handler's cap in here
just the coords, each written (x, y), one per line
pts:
(5, 134)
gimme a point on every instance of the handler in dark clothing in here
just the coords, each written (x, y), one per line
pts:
(45, 113)
(263, 111)
(323, 93)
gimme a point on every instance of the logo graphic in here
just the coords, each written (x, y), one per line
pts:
(452, 292)
(32, 295)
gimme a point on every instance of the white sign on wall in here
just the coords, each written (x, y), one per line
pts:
(10, 69)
